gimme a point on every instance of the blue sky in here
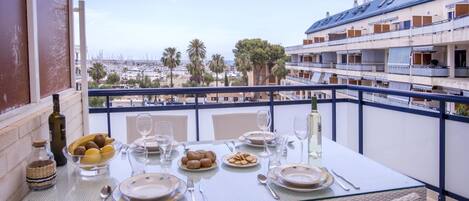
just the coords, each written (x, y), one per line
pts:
(140, 29)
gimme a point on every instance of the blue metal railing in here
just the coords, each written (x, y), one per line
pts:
(271, 90)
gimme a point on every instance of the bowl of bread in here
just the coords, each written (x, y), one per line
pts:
(200, 160)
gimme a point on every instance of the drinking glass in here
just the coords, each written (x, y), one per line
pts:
(137, 160)
(164, 138)
(276, 149)
(300, 128)
(144, 124)
(263, 122)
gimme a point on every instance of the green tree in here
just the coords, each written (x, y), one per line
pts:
(113, 78)
(196, 52)
(217, 65)
(462, 109)
(244, 65)
(147, 83)
(96, 101)
(258, 56)
(279, 70)
(208, 78)
(97, 72)
(171, 59)
(227, 82)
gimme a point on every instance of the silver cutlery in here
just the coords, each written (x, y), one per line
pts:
(105, 192)
(191, 188)
(202, 191)
(337, 181)
(230, 148)
(263, 180)
(346, 180)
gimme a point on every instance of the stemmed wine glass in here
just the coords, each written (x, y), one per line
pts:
(263, 122)
(164, 137)
(144, 124)
(300, 128)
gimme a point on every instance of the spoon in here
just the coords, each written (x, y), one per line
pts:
(263, 180)
(105, 192)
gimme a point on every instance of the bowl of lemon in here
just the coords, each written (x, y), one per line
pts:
(92, 153)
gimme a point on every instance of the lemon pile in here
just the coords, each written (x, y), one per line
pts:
(94, 148)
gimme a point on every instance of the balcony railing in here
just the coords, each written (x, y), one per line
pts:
(311, 64)
(361, 67)
(435, 27)
(461, 72)
(412, 141)
(419, 70)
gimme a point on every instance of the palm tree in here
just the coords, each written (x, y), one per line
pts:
(171, 59)
(217, 65)
(279, 70)
(196, 52)
(97, 72)
(243, 65)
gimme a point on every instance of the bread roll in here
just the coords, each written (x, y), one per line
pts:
(206, 163)
(193, 164)
(192, 155)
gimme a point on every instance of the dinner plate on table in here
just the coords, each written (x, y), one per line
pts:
(275, 179)
(152, 145)
(302, 175)
(151, 186)
(177, 195)
(183, 167)
(255, 138)
(228, 156)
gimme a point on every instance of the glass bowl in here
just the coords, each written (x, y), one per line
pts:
(96, 163)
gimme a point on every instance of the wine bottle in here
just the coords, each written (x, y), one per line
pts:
(57, 132)
(314, 130)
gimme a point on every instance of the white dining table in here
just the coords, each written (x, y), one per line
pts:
(225, 183)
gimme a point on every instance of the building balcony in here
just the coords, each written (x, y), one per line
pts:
(461, 72)
(361, 67)
(419, 70)
(311, 64)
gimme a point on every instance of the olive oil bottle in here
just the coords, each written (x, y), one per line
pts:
(314, 131)
(57, 132)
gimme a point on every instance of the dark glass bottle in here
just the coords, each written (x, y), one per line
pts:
(57, 132)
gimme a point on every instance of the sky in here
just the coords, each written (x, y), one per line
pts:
(142, 29)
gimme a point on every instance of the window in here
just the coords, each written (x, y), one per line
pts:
(406, 25)
(14, 87)
(225, 98)
(422, 58)
(54, 46)
(462, 9)
(450, 15)
(235, 99)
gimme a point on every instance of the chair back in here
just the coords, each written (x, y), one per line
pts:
(231, 126)
(179, 123)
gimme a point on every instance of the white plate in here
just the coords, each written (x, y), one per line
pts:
(183, 167)
(228, 156)
(273, 178)
(149, 186)
(302, 175)
(152, 146)
(177, 195)
(257, 137)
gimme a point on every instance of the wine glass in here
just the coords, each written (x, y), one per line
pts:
(144, 124)
(164, 137)
(263, 122)
(300, 128)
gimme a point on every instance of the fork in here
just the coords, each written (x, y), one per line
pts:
(229, 147)
(190, 188)
(202, 191)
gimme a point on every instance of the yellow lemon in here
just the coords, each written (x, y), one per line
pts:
(107, 152)
(92, 156)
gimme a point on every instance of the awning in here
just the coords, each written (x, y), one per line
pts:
(452, 91)
(354, 77)
(349, 52)
(399, 56)
(369, 77)
(424, 49)
(422, 87)
(317, 77)
(327, 77)
(399, 86)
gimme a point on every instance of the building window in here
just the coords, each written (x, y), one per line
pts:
(406, 24)
(225, 98)
(235, 99)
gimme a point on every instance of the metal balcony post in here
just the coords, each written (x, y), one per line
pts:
(360, 122)
(334, 115)
(271, 104)
(197, 117)
(442, 147)
(108, 115)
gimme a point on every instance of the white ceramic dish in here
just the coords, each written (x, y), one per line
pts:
(152, 145)
(302, 175)
(257, 137)
(273, 178)
(177, 195)
(149, 186)
(228, 156)
(183, 167)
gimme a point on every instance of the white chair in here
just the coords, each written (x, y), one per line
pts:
(179, 123)
(231, 126)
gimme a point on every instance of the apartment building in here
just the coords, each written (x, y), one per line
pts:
(419, 45)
